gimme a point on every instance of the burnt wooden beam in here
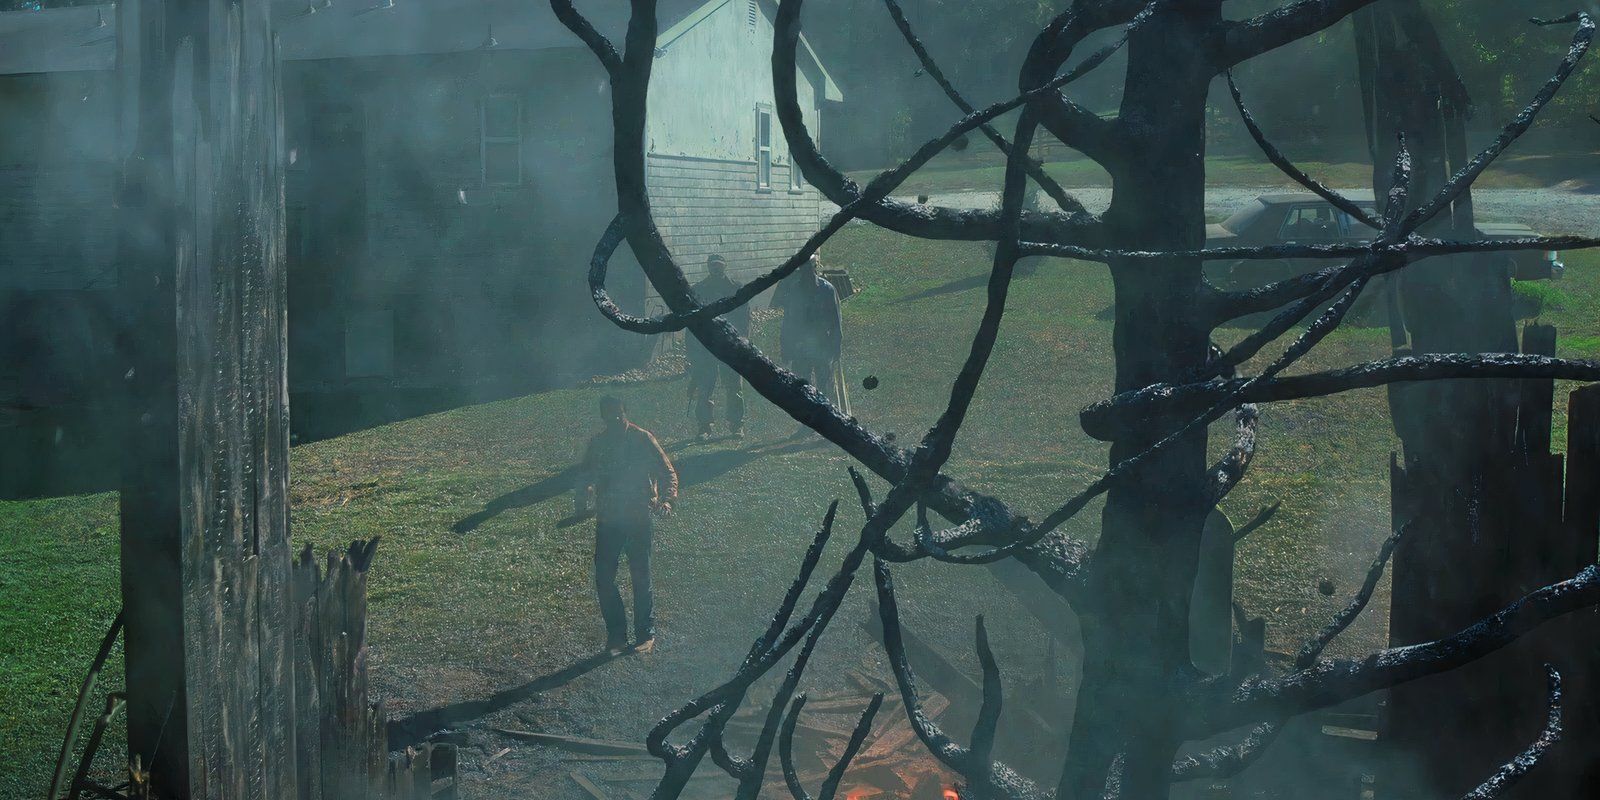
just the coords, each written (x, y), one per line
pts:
(204, 514)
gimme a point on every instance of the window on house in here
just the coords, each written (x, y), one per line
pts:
(763, 148)
(797, 181)
(500, 118)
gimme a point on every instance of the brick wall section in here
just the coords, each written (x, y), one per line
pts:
(704, 206)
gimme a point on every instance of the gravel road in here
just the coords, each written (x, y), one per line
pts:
(1550, 211)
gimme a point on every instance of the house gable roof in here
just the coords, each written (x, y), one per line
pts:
(80, 38)
(665, 39)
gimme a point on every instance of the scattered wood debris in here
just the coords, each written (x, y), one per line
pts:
(576, 744)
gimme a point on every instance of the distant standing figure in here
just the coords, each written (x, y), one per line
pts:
(632, 480)
(812, 332)
(705, 371)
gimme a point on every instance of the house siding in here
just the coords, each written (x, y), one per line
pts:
(407, 273)
(57, 226)
(704, 206)
(705, 92)
(484, 283)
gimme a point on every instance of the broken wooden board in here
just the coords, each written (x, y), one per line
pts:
(898, 734)
(589, 786)
(576, 744)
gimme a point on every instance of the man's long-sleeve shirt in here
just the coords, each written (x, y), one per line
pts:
(629, 471)
(710, 289)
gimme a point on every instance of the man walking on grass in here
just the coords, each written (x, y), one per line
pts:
(812, 332)
(632, 481)
(705, 370)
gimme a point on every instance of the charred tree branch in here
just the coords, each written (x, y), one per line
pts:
(994, 777)
(923, 221)
(1067, 202)
(1105, 417)
(1249, 38)
(593, 39)
(1508, 775)
(830, 784)
(1519, 125)
(1283, 163)
(1333, 681)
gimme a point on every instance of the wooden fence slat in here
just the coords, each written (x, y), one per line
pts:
(1582, 513)
(351, 760)
(1537, 397)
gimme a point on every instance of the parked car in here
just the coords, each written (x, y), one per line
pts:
(1304, 218)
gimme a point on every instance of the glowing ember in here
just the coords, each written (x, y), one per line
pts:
(950, 794)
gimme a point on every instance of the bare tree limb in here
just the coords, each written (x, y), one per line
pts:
(988, 723)
(753, 771)
(1354, 275)
(1507, 776)
(1414, 248)
(1519, 125)
(1230, 305)
(593, 39)
(1075, 126)
(937, 444)
(1105, 416)
(1229, 760)
(1312, 650)
(830, 784)
(1067, 202)
(1231, 468)
(991, 776)
(1244, 40)
(1283, 163)
(923, 221)
(1258, 300)
(767, 649)
(1331, 682)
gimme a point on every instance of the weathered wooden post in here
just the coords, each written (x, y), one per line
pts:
(1477, 487)
(205, 552)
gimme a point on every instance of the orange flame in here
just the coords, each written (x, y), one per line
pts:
(950, 794)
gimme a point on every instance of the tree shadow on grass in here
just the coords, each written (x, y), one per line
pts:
(1025, 269)
(957, 286)
(413, 729)
(693, 469)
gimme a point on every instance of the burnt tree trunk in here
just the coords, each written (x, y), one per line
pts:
(204, 505)
(1136, 617)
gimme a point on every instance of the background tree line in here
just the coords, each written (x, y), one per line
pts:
(1307, 92)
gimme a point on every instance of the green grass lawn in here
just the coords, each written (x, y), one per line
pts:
(478, 583)
(982, 171)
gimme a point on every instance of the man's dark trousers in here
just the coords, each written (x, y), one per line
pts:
(705, 377)
(615, 537)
